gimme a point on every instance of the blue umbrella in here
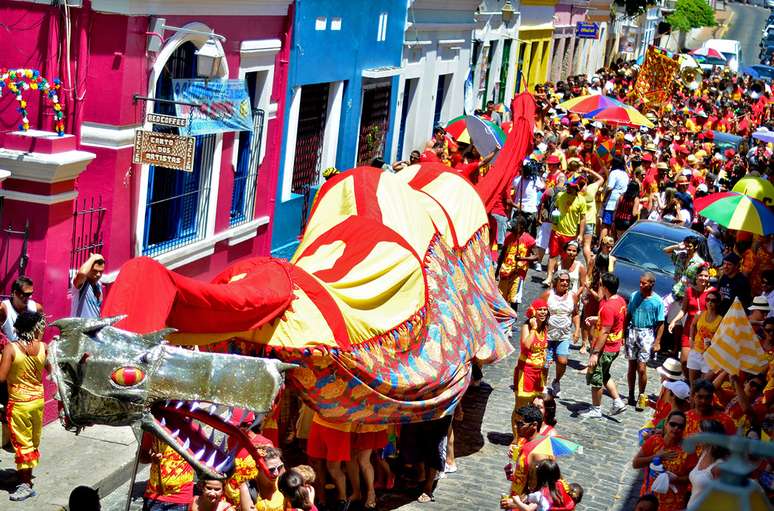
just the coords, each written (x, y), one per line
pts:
(764, 134)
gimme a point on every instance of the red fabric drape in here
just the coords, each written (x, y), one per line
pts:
(516, 148)
(244, 296)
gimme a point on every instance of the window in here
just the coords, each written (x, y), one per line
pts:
(177, 201)
(249, 150)
(408, 96)
(374, 122)
(381, 33)
(312, 113)
(440, 97)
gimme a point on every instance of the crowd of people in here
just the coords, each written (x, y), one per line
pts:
(582, 186)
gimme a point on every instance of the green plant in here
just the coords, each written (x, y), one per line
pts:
(373, 137)
(691, 14)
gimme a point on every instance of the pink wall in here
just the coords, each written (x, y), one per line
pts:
(566, 14)
(109, 65)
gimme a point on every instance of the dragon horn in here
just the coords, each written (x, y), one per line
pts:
(159, 336)
(72, 325)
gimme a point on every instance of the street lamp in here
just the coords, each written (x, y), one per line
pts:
(208, 59)
(507, 11)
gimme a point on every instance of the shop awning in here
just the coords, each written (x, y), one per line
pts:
(381, 72)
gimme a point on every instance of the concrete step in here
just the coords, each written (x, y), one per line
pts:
(101, 457)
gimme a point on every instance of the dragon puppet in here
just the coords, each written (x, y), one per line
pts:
(377, 318)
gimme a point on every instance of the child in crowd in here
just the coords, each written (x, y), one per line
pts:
(211, 497)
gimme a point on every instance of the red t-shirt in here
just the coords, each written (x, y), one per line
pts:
(612, 313)
(693, 422)
(171, 479)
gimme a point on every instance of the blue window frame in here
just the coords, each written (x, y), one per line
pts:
(243, 192)
(177, 201)
(440, 97)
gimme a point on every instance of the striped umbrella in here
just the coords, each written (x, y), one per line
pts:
(737, 211)
(708, 52)
(557, 446)
(735, 347)
(757, 188)
(458, 128)
(625, 115)
(589, 104)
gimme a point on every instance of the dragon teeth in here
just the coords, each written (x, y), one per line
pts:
(211, 460)
(175, 433)
(199, 454)
(186, 444)
(213, 409)
(163, 421)
(179, 405)
(223, 443)
(227, 414)
(195, 405)
(224, 463)
(212, 437)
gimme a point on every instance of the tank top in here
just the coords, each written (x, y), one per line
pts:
(705, 331)
(11, 315)
(560, 316)
(700, 479)
(25, 379)
(625, 210)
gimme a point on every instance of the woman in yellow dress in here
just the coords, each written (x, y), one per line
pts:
(22, 368)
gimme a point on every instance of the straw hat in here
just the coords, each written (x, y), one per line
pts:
(671, 369)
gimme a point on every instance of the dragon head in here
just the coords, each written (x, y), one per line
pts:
(109, 376)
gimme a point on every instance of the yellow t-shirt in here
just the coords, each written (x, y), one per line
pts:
(572, 210)
(275, 503)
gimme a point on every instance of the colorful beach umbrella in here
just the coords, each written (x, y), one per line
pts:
(735, 347)
(486, 136)
(707, 52)
(458, 128)
(737, 211)
(605, 150)
(588, 104)
(764, 134)
(557, 446)
(757, 188)
(625, 115)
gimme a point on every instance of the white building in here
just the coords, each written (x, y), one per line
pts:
(436, 60)
(495, 52)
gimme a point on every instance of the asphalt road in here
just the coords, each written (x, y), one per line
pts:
(746, 28)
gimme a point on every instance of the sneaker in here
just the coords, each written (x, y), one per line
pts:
(23, 492)
(450, 469)
(556, 388)
(537, 266)
(617, 408)
(592, 413)
(642, 402)
(546, 283)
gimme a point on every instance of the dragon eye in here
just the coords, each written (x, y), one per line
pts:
(127, 376)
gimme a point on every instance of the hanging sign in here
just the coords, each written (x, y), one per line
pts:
(224, 105)
(164, 149)
(167, 120)
(584, 30)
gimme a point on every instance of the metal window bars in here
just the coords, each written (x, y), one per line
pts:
(87, 237)
(244, 191)
(312, 114)
(374, 122)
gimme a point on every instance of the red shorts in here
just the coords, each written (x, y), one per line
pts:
(370, 440)
(328, 444)
(557, 242)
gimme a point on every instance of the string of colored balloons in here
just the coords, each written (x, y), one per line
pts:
(19, 80)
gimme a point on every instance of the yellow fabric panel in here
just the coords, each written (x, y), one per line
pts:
(462, 204)
(301, 325)
(324, 258)
(385, 289)
(438, 216)
(337, 204)
(402, 212)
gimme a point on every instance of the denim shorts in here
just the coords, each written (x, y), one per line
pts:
(590, 229)
(557, 349)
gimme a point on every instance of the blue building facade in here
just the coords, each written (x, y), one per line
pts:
(342, 94)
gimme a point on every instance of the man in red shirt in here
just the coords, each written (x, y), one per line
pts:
(170, 485)
(605, 345)
(703, 397)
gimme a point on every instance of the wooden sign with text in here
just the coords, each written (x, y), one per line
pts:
(167, 120)
(164, 150)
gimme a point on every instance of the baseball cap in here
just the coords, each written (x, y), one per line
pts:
(679, 388)
(553, 160)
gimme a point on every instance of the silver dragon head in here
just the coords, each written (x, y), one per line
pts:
(105, 375)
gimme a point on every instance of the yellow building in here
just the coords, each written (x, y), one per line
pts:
(536, 32)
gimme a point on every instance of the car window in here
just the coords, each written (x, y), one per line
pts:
(645, 251)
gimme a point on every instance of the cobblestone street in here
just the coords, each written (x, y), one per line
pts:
(481, 440)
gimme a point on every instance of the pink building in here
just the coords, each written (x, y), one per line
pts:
(68, 196)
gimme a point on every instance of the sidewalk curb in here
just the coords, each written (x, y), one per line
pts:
(113, 481)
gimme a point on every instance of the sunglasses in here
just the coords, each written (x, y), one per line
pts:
(24, 295)
(712, 300)
(275, 470)
(679, 425)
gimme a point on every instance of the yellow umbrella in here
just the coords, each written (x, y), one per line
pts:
(757, 188)
(735, 346)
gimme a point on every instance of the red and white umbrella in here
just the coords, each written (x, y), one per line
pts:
(708, 52)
